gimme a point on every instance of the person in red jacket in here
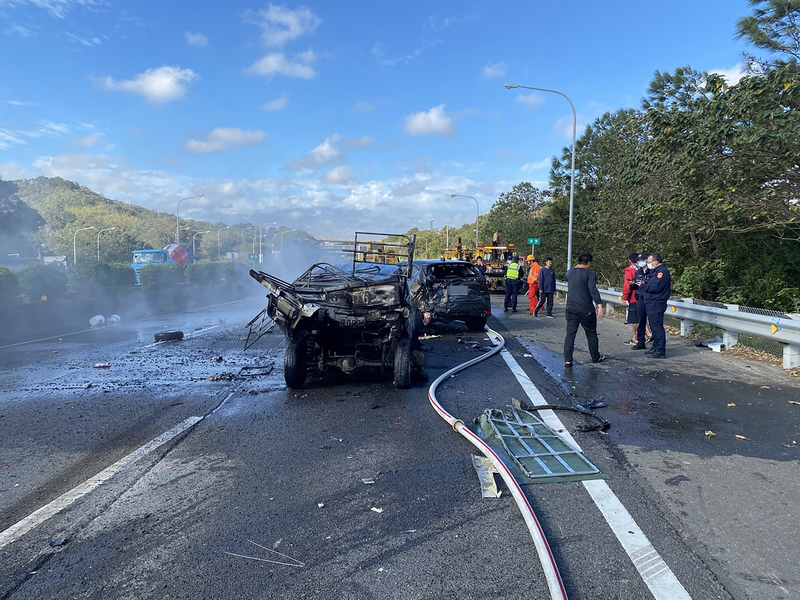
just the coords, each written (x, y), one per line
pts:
(533, 283)
(629, 296)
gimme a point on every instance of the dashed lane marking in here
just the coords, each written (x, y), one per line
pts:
(656, 574)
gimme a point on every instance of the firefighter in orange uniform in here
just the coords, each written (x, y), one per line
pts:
(533, 283)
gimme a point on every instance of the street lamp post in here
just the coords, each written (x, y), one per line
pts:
(75, 246)
(219, 254)
(194, 237)
(98, 240)
(282, 232)
(432, 220)
(511, 86)
(178, 220)
(477, 213)
(260, 242)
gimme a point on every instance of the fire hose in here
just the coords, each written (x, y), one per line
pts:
(546, 558)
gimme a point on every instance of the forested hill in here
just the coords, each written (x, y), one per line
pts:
(43, 214)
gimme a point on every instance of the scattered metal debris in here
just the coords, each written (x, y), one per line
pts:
(485, 470)
(376, 509)
(740, 437)
(294, 563)
(538, 451)
(368, 481)
(256, 371)
(710, 434)
(102, 366)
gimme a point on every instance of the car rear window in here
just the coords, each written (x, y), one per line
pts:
(445, 271)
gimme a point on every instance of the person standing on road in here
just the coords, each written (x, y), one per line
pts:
(629, 296)
(533, 283)
(547, 288)
(480, 266)
(513, 277)
(643, 332)
(582, 295)
(656, 290)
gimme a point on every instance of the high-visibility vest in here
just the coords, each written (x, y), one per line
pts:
(533, 273)
(513, 271)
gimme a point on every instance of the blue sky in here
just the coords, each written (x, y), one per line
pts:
(330, 116)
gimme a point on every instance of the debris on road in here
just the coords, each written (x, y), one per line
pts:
(368, 481)
(256, 371)
(376, 509)
(97, 320)
(710, 434)
(714, 343)
(794, 402)
(102, 366)
(740, 437)
(320, 505)
(731, 404)
(168, 336)
(429, 336)
(221, 377)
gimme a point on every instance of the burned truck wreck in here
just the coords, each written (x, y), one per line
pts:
(347, 316)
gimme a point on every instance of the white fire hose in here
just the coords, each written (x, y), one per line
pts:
(554, 583)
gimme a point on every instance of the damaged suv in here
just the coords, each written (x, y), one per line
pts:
(446, 291)
(346, 317)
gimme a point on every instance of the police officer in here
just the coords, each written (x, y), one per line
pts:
(656, 290)
(513, 278)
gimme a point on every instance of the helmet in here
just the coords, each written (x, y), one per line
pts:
(530, 257)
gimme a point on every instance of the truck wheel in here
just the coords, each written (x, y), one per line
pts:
(402, 364)
(294, 371)
(168, 336)
(476, 324)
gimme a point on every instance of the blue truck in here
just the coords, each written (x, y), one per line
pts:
(174, 254)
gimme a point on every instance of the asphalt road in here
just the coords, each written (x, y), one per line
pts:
(266, 470)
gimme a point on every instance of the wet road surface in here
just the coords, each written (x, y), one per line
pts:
(268, 469)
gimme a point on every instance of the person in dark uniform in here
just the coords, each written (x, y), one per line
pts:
(643, 329)
(513, 278)
(582, 295)
(656, 290)
(480, 266)
(547, 287)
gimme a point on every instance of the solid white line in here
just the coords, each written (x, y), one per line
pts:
(37, 517)
(660, 579)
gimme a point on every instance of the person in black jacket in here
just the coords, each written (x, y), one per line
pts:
(582, 295)
(547, 288)
(655, 291)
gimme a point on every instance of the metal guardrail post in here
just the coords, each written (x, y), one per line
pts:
(687, 325)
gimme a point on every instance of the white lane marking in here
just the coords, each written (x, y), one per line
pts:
(660, 579)
(20, 528)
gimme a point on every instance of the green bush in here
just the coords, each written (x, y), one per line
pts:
(206, 273)
(38, 281)
(9, 288)
(161, 277)
(92, 278)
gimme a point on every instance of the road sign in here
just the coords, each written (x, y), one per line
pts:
(252, 257)
(234, 255)
(534, 241)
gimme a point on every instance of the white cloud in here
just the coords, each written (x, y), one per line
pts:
(732, 75)
(564, 125)
(278, 64)
(157, 86)
(7, 139)
(277, 104)
(339, 176)
(21, 103)
(223, 138)
(537, 166)
(496, 70)
(433, 121)
(530, 100)
(19, 30)
(12, 170)
(56, 8)
(281, 25)
(357, 143)
(196, 39)
(84, 41)
(323, 155)
(89, 140)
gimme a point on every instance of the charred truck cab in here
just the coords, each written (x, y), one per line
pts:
(347, 317)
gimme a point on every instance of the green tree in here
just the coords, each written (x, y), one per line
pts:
(774, 27)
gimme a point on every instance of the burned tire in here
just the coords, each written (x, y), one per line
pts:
(476, 324)
(294, 371)
(402, 364)
(168, 336)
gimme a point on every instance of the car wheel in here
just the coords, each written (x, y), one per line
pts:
(294, 371)
(402, 364)
(168, 336)
(476, 324)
